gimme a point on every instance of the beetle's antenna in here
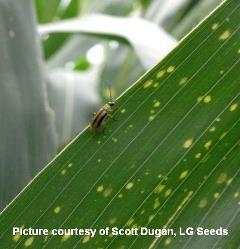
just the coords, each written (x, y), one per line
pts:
(110, 93)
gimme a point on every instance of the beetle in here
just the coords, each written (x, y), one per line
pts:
(100, 117)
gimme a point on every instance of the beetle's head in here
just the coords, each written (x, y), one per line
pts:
(111, 103)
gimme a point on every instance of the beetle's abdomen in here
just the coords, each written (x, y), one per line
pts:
(98, 119)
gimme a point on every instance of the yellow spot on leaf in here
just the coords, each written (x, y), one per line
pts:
(215, 26)
(152, 111)
(207, 99)
(160, 74)
(212, 129)
(208, 144)
(150, 218)
(223, 135)
(120, 247)
(156, 203)
(233, 107)
(200, 98)
(107, 192)
(168, 241)
(156, 104)
(123, 110)
(147, 83)
(236, 194)
(142, 212)
(159, 189)
(229, 181)
(120, 196)
(129, 222)
(100, 188)
(222, 178)
(168, 192)
(221, 72)
(135, 226)
(216, 195)
(224, 35)
(86, 239)
(183, 174)
(129, 185)
(16, 237)
(170, 69)
(112, 220)
(114, 139)
(99, 160)
(203, 203)
(57, 210)
(183, 81)
(155, 85)
(188, 143)
(65, 237)
(29, 241)
(198, 155)
(63, 172)
(180, 207)
(151, 117)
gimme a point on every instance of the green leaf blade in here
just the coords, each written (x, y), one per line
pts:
(170, 160)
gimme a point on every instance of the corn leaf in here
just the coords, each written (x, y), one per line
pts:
(170, 160)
